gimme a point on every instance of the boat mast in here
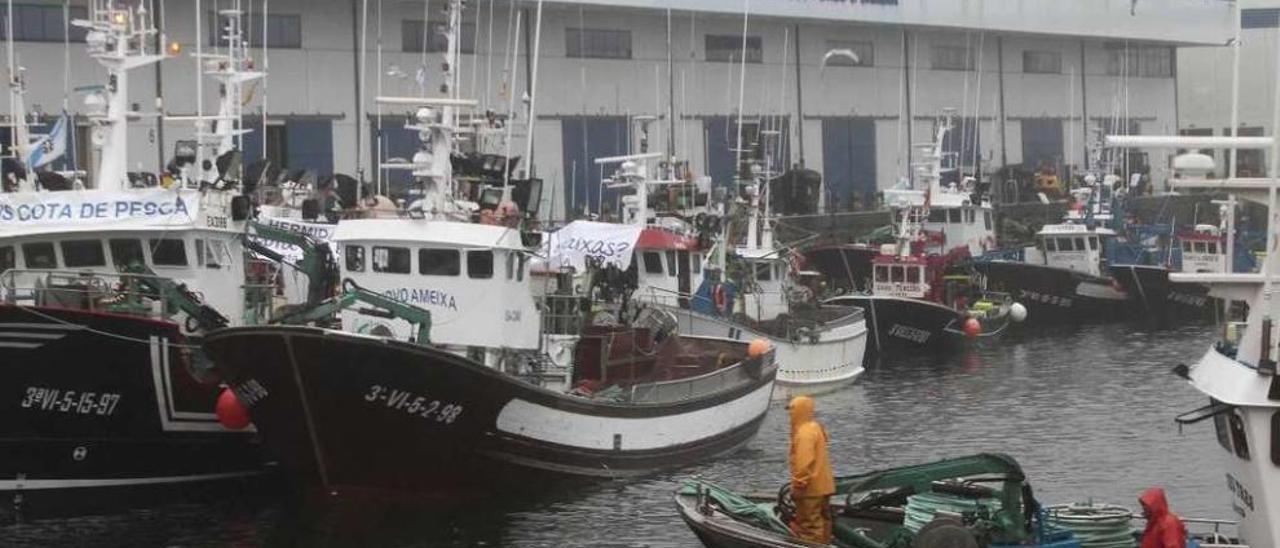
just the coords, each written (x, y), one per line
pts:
(118, 38)
(21, 146)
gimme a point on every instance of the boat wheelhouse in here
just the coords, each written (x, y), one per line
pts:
(1204, 250)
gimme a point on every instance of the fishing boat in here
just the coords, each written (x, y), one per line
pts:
(104, 293)
(913, 304)
(752, 292)
(463, 370)
(979, 500)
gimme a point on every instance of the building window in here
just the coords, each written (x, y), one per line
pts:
(652, 263)
(952, 58)
(1260, 18)
(480, 264)
(355, 257)
(597, 43)
(411, 37)
(864, 51)
(439, 262)
(391, 260)
(43, 23)
(1042, 62)
(1149, 61)
(127, 253)
(168, 252)
(83, 253)
(728, 48)
(283, 30)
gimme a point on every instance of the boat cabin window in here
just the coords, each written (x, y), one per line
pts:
(652, 262)
(953, 216)
(1275, 438)
(1212, 247)
(1093, 243)
(913, 275)
(39, 255)
(1080, 244)
(168, 252)
(1221, 429)
(353, 255)
(779, 271)
(764, 272)
(986, 219)
(1050, 244)
(1198, 247)
(1064, 244)
(1238, 436)
(697, 263)
(671, 263)
(392, 260)
(520, 266)
(480, 264)
(882, 273)
(432, 262)
(897, 274)
(8, 258)
(126, 253)
(212, 253)
(937, 215)
(83, 253)
(969, 216)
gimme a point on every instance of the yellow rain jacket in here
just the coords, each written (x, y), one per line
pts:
(810, 468)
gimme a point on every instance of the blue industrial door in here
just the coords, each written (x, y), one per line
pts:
(721, 136)
(306, 143)
(849, 162)
(1041, 142)
(392, 143)
(584, 139)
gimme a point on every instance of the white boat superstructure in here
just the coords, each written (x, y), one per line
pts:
(188, 233)
(957, 213)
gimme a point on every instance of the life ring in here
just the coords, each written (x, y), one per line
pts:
(718, 295)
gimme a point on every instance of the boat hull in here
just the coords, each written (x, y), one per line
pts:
(902, 326)
(355, 414)
(101, 402)
(1056, 295)
(827, 360)
(1161, 300)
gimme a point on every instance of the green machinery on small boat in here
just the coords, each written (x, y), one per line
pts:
(979, 500)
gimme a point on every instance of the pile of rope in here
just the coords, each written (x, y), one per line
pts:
(1095, 525)
(923, 508)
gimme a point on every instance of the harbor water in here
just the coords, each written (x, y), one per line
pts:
(1088, 411)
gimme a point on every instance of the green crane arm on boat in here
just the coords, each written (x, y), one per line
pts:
(317, 263)
(353, 294)
(175, 296)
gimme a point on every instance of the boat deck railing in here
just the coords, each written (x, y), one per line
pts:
(562, 315)
(83, 290)
(801, 320)
(689, 388)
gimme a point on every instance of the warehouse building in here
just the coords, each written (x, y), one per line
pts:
(1027, 80)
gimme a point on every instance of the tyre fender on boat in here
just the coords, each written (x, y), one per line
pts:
(944, 533)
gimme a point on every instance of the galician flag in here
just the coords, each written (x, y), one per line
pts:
(49, 147)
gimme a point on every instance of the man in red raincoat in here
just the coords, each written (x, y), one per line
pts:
(1164, 528)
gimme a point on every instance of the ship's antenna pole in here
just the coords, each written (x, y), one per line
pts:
(530, 171)
(266, 76)
(199, 59)
(511, 109)
(742, 85)
(1232, 170)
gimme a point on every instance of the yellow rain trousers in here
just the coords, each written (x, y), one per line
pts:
(812, 482)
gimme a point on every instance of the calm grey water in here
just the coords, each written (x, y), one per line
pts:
(1087, 411)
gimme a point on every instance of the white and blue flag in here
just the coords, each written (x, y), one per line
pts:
(49, 147)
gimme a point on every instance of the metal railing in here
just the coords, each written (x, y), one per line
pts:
(691, 387)
(84, 290)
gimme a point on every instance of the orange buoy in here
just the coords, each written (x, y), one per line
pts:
(972, 327)
(231, 414)
(758, 347)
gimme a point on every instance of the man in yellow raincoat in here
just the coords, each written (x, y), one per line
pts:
(812, 483)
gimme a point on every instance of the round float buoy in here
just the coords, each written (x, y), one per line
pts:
(1017, 312)
(972, 327)
(758, 347)
(231, 414)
